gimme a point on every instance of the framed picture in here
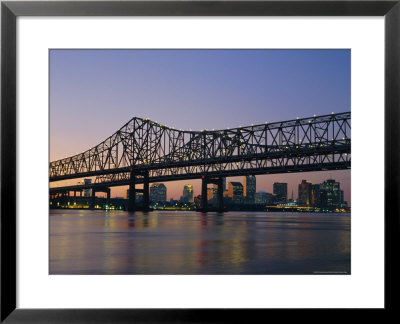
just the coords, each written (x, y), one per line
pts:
(103, 196)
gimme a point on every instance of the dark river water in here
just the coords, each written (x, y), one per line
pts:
(178, 242)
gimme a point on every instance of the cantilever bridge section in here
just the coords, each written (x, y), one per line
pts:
(144, 151)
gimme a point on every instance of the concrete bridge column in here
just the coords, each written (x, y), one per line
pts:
(204, 194)
(132, 193)
(108, 196)
(220, 196)
(63, 198)
(92, 199)
(146, 191)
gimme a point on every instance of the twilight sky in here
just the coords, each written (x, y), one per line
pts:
(94, 92)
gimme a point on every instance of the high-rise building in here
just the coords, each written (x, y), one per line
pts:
(263, 197)
(305, 193)
(158, 192)
(280, 190)
(87, 192)
(138, 195)
(341, 199)
(333, 194)
(187, 193)
(211, 193)
(316, 195)
(249, 188)
(235, 191)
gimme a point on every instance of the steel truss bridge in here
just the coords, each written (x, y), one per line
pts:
(144, 151)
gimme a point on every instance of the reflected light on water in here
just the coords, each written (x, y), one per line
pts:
(172, 242)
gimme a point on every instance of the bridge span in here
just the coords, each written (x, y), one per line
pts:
(144, 151)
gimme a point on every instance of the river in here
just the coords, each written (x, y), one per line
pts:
(179, 242)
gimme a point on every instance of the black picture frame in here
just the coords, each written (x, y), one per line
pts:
(10, 10)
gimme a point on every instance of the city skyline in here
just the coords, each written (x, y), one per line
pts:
(326, 196)
(183, 88)
(290, 194)
(293, 195)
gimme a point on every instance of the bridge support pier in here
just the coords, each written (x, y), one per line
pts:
(220, 193)
(108, 196)
(63, 199)
(220, 196)
(146, 191)
(92, 199)
(132, 193)
(204, 202)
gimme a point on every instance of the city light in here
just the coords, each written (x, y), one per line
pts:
(246, 146)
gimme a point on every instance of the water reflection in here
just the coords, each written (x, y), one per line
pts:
(169, 242)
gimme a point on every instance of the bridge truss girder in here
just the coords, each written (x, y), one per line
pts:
(146, 145)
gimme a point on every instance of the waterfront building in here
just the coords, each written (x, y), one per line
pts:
(187, 193)
(158, 192)
(262, 197)
(235, 191)
(280, 190)
(138, 195)
(316, 194)
(333, 197)
(249, 188)
(305, 193)
(211, 193)
(343, 204)
(87, 192)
